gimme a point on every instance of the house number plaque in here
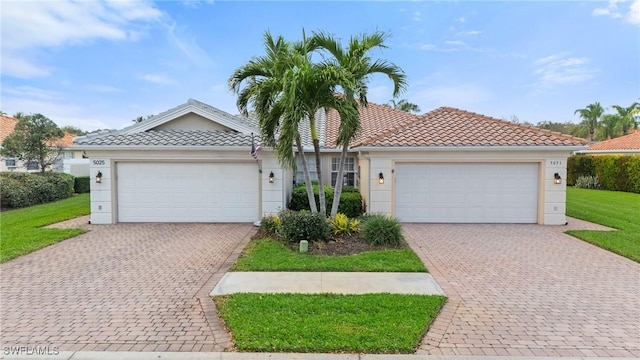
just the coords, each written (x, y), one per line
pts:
(98, 162)
(555, 162)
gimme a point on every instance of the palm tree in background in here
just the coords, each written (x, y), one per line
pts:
(356, 61)
(626, 116)
(590, 116)
(403, 105)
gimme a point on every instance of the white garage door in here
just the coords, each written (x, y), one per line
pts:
(187, 192)
(466, 192)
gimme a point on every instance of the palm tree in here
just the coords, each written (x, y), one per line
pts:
(403, 105)
(591, 117)
(626, 116)
(354, 59)
(610, 126)
(260, 84)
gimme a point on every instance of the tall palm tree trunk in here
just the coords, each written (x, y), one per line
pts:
(307, 176)
(339, 181)
(321, 196)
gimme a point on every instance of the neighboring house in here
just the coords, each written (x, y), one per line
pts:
(192, 164)
(7, 126)
(623, 145)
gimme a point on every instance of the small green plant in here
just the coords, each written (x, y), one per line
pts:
(82, 185)
(380, 229)
(588, 182)
(342, 225)
(270, 225)
(303, 225)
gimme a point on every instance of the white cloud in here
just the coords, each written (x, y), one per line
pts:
(188, 46)
(417, 16)
(560, 69)
(67, 23)
(455, 43)
(634, 13)
(471, 32)
(158, 79)
(618, 9)
(461, 19)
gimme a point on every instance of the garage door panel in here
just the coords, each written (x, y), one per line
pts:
(187, 192)
(466, 192)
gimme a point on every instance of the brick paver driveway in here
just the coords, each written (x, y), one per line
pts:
(528, 290)
(122, 287)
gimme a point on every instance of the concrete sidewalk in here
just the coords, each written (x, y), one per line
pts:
(327, 282)
(121, 355)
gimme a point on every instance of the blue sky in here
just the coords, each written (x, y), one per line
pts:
(100, 64)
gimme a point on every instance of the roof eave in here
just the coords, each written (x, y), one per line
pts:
(610, 151)
(474, 148)
(166, 147)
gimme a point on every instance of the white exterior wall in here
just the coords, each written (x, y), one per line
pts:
(552, 197)
(104, 195)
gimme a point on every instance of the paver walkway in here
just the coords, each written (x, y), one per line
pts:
(138, 287)
(528, 290)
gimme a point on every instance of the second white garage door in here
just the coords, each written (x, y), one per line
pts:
(187, 192)
(466, 192)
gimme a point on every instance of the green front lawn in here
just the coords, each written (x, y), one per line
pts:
(21, 230)
(372, 323)
(271, 255)
(619, 210)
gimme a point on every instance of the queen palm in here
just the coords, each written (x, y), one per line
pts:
(591, 117)
(356, 61)
(403, 105)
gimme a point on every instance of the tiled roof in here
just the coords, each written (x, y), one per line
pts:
(626, 142)
(7, 124)
(66, 140)
(446, 126)
(170, 138)
(303, 127)
(375, 120)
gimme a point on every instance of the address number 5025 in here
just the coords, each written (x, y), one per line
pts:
(98, 162)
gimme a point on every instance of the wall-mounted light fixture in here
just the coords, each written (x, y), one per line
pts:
(99, 177)
(381, 178)
(557, 179)
(271, 177)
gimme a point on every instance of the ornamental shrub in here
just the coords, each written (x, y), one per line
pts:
(82, 184)
(614, 172)
(27, 189)
(342, 225)
(588, 182)
(303, 225)
(350, 200)
(271, 225)
(380, 229)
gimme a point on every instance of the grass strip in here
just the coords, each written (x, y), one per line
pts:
(619, 210)
(21, 230)
(327, 323)
(271, 255)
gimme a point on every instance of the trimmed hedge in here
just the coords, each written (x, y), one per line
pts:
(82, 185)
(26, 189)
(613, 172)
(303, 225)
(350, 200)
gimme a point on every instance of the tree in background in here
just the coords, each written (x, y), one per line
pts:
(73, 130)
(33, 139)
(610, 126)
(591, 116)
(403, 105)
(625, 115)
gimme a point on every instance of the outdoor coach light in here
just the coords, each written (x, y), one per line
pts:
(557, 179)
(271, 177)
(381, 179)
(99, 177)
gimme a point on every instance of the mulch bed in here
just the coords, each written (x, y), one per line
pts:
(336, 245)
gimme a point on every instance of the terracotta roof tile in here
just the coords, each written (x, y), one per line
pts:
(627, 142)
(445, 126)
(65, 141)
(7, 124)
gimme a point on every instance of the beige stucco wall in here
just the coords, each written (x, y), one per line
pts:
(104, 195)
(191, 121)
(552, 197)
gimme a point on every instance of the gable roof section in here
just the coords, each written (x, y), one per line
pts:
(233, 122)
(451, 127)
(7, 124)
(626, 142)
